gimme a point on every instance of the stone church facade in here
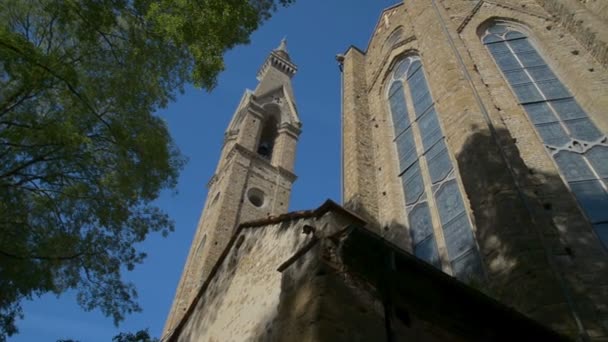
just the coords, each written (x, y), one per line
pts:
(475, 186)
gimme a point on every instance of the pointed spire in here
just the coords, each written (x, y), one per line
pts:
(278, 59)
(281, 50)
(283, 45)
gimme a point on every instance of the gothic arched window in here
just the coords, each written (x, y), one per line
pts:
(578, 148)
(427, 174)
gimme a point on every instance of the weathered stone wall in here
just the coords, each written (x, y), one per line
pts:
(597, 7)
(540, 254)
(253, 297)
(391, 216)
(286, 282)
(359, 177)
(586, 20)
(568, 238)
(242, 299)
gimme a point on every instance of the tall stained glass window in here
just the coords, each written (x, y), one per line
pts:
(577, 146)
(442, 195)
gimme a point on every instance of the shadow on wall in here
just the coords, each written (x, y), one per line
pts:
(213, 298)
(536, 244)
(394, 232)
(319, 302)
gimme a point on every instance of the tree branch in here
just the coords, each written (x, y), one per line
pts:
(29, 163)
(41, 257)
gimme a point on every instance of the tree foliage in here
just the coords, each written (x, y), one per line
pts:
(139, 336)
(82, 157)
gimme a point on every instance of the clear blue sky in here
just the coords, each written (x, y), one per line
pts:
(316, 31)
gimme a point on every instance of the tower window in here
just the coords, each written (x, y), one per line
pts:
(576, 145)
(256, 197)
(268, 137)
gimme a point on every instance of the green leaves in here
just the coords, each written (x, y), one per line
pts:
(82, 156)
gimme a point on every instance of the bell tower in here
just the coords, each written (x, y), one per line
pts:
(254, 175)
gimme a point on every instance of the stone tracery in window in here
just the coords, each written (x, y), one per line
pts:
(408, 83)
(577, 146)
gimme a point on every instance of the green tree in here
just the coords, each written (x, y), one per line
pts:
(82, 157)
(139, 336)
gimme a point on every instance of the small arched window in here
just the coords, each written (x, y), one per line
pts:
(429, 162)
(268, 137)
(393, 39)
(577, 146)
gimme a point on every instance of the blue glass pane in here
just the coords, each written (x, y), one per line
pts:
(568, 109)
(527, 93)
(422, 104)
(449, 201)
(401, 68)
(413, 185)
(402, 124)
(458, 236)
(573, 166)
(540, 113)
(406, 149)
(598, 157)
(398, 108)
(439, 162)
(467, 266)
(506, 61)
(418, 92)
(429, 129)
(498, 29)
(553, 89)
(583, 129)
(435, 150)
(417, 84)
(491, 38)
(592, 198)
(427, 251)
(521, 45)
(397, 85)
(499, 49)
(415, 66)
(530, 59)
(602, 232)
(517, 76)
(421, 225)
(541, 73)
(553, 134)
(514, 35)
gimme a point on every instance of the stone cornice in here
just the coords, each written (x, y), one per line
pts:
(276, 61)
(252, 156)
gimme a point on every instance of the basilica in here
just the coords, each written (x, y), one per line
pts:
(475, 189)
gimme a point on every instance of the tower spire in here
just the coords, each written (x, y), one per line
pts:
(278, 59)
(281, 50)
(282, 45)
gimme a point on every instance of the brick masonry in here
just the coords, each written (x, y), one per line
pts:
(540, 254)
(246, 185)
